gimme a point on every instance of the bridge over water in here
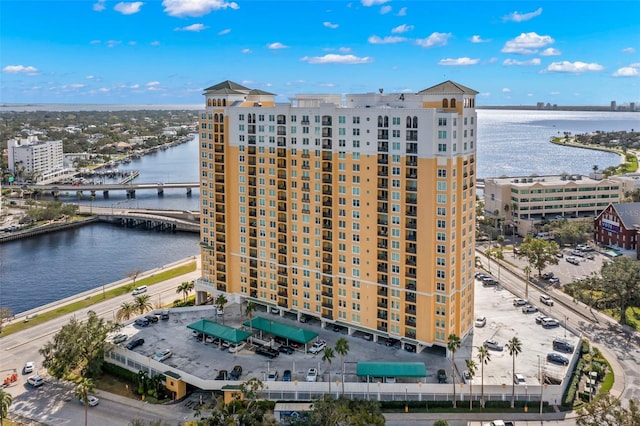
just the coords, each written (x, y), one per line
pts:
(161, 220)
(56, 189)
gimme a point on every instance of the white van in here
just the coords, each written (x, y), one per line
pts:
(139, 290)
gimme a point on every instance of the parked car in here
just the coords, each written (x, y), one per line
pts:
(466, 376)
(518, 379)
(562, 346)
(312, 375)
(139, 290)
(134, 343)
(162, 355)
(152, 318)
(572, 260)
(442, 376)
(481, 321)
(141, 322)
(286, 349)
(529, 309)
(409, 347)
(286, 376)
(35, 381)
(237, 347)
(273, 376)
(493, 345)
(92, 401)
(391, 342)
(550, 323)
(236, 372)
(489, 281)
(547, 275)
(119, 338)
(29, 367)
(546, 300)
(557, 358)
(519, 302)
(541, 318)
(554, 280)
(318, 346)
(267, 351)
(222, 375)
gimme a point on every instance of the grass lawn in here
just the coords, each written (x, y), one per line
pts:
(116, 385)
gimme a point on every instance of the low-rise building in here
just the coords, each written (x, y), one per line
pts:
(618, 227)
(526, 202)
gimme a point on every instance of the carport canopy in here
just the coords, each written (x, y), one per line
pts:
(391, 369)
(296, 334)
(223, 332)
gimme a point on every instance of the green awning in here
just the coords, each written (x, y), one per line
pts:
(279, 329)
(391, 369)
(223, 332)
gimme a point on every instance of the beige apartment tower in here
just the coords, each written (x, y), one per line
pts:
(357, 209)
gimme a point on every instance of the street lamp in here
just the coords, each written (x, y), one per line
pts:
(526, 399)
(566, 318)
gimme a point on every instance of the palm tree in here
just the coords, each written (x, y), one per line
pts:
(484, 357)
(126, 311)
(453, 344)
(489, 254)
(327, 356)
(5, 402)
(221, 300)
(472, 367)
(143, 303)
(82, 391)
(514, 346)
(248, 311)
(342, 348)
(527, 272)
(185, 288)
(498, 255)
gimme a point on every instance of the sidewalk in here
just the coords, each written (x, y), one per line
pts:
(563, 418)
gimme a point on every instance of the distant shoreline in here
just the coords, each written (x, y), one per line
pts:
(597, 108)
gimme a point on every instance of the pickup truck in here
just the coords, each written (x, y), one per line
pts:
(500, 423)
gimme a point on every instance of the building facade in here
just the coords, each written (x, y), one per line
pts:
(618, 227)
(31, 159)
(526, 202)
(356, 210)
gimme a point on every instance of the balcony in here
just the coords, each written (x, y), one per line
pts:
(327, 167)
(382, 326)
(383, 208)
(253, 242)
(410, 334)
(326, 143)
(383, 183)
(412, 199)
(382, 303)
(383, 279)
(410, 321)
(253, 222)
(326, 120)
(283, 303)
(383, 195)
(412, 186)
(252, 212)
(411, 261)
(282, 141)
(383, 291)
(382, 243)
(411, 236)
(326, 201)
(326, 190)
(383, 159)
(282, 164)
(383, 146)
(253, 283)
(282, 271)
(281, 228)
(383, 171)
(412, 211)
(411, 273)
(282, 196)
(282, 293)
(410, 309)
(412, 174)
(220, 248)
(327, 293)
(410, 297)
(382, 231)
(382, 314)
(412, 223)
(411, 285)
(327, 258)
(327, 314)
(326, 224)
(254, 294)
(220, 267)
(411, 248)
(282, 175)
(327, 235)
(326, 247)
(412, 148)
(328, 281)
(282, 239)
(327, 156)
(327, 269)
(282, 248)
(382, 255)
(282, 260)
(221, 258)
(252, 160)
(282, 281)
(326, 178)
(382, 267)
(282, 217)
(282, 207)
(253, 263)
(383, 220)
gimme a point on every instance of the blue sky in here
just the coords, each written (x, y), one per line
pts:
(167, 51)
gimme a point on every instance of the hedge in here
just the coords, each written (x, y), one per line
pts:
(121, 372)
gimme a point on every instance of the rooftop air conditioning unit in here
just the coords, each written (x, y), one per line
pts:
(516, 180)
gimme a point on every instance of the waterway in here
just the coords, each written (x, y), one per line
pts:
(43, 269)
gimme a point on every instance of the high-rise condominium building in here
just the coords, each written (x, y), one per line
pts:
(35, 160)
(357, 209)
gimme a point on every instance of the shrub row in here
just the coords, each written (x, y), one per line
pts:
(570, 393)
(120, 372)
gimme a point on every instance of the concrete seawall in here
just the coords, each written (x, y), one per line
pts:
(45, 229)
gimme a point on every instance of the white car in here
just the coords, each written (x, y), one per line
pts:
(237, 347)
(92, 400)
(546, 300)
(481, 321)
(35, 381)
(312, 375)
(273, 376)
(139, 290)
(29, 367)
(162, 355)
(120, 338)
(318, 346)
(519, 302)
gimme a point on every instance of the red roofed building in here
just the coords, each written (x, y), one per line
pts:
(618, 226)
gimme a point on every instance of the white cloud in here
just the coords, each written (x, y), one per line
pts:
(128, 8)
(155, 43)
(374, 39)
(104, 89)
(111, 43)
(506, 90)
(20, 69)
(245, 51)
(90, 77)
(527, 43)
(402, 29)
(99, 6)
(629, 50)
(134, 86)
(95, 42)
(534, 61)
(344, 49)
(626, 72)
(521, 17)
(225, 31)
(402, 12)
(196, 28)
(277, 45)
(368, 3)
(330, 25)
(195, 8)
(332, 58)
(550, 51)
(435, 39)
(478, 39)
(458, 61)
(574, 67)
(153, 86)
(385, 9)
(132, 43)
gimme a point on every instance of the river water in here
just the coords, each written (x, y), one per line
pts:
(43, 269)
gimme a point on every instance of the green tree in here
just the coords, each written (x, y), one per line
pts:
(133, 276)
(79, 345)
(489, 255)
(126, 311)
(82, 391)
(514, 346)
(143, 303)
(185, 288)
(527, 272)
(498, 255)
(606, 410)
(619, 281)
(342, 349)
(327, 356)
(220, 301)
(5, 315)
(472, 368)
(331, 412)
(5, 403)
(441, 422)
(483, 357)
(539, 253)
(453, 344)
(248, 311)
